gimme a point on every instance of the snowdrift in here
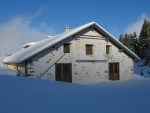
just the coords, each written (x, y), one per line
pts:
(29, 95)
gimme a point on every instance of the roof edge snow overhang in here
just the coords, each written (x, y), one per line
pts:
(112, 38)
(76, 31)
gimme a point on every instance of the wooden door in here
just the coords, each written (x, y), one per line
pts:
(63, 72)
(114, 71)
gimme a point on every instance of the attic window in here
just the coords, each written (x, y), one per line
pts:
(107, 49)
(26, 46)
(89, 49)
(66, 48)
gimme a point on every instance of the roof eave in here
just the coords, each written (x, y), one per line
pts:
(134, 56)
(76, 32)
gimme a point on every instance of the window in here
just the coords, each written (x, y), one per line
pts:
(67, 48)
(89, 49)
(113, 71)
(63, 72)
(107, 49)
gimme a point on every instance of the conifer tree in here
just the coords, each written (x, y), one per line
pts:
(129, 40)
(126, 40)
(144, 39)
(135, 43)
(121, 38)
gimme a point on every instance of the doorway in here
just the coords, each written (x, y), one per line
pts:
(63, 72)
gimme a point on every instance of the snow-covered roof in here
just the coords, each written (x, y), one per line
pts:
(39, 46)
(29, 44)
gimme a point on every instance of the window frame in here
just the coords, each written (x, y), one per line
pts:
(108, 49)
(89, 49)
(66, 48)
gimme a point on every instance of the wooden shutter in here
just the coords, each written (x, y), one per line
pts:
(67, 48)
(89, 49)
(63, 72)
(107, 49)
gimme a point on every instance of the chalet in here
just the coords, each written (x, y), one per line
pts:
(87, 54)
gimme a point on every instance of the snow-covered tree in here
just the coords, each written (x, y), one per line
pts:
(144, 41)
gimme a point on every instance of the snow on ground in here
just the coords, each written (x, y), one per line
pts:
(142, 70)
(29, 95)
(3, 69)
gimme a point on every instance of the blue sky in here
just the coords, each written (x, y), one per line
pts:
(114, 15)
(50, 16)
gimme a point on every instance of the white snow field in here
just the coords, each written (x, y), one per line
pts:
(30, 95)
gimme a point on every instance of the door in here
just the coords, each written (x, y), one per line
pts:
(114, 71)
(63, 72)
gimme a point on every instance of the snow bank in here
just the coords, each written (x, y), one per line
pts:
(3, 69)
(141, 70)
(28, 95)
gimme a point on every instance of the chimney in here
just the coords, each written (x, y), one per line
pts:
(66, 28)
